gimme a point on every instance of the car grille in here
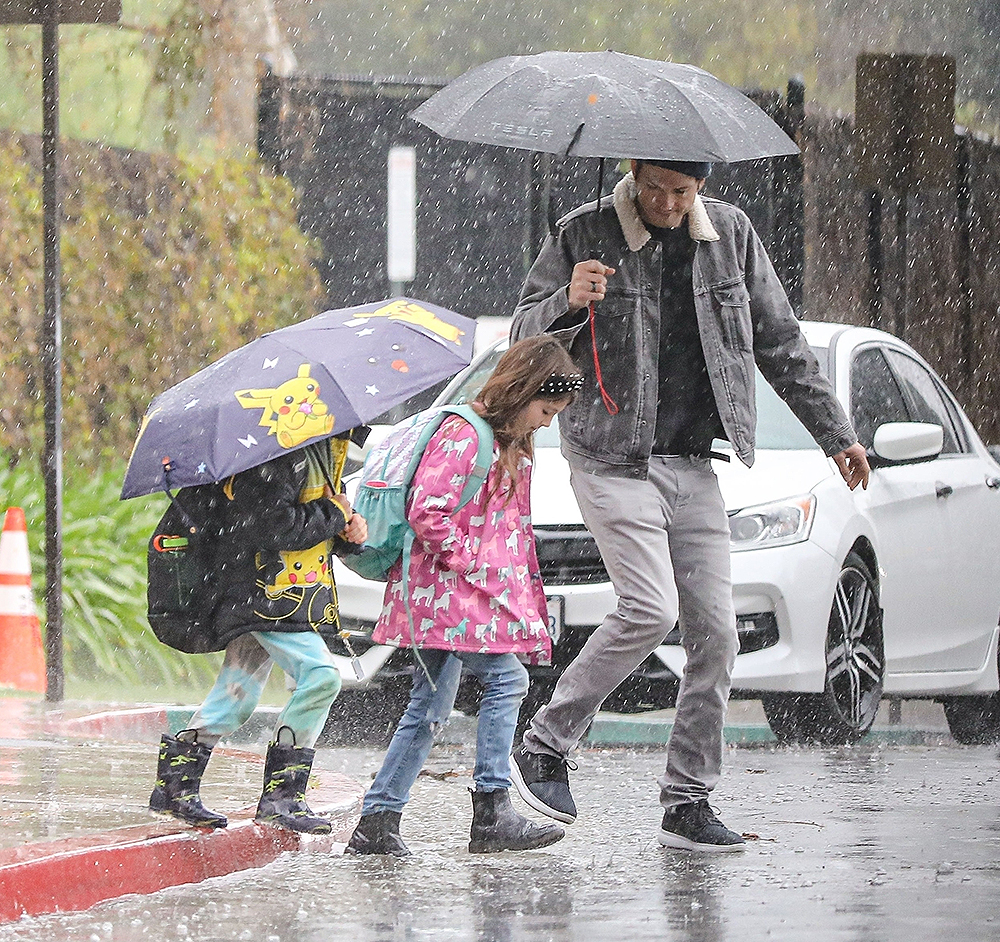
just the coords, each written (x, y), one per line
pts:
(756, 632)
(568, 555)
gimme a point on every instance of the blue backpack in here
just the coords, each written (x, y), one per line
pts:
(384, 487)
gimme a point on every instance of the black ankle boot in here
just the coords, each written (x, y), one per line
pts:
(497, 826)
(178, 775)
(283, 802)
(378, 833)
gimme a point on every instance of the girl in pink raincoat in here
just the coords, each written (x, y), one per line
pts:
(476, 599)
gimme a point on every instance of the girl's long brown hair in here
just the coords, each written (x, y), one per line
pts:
(514, 383)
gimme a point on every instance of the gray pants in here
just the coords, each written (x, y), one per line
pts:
(665, 544)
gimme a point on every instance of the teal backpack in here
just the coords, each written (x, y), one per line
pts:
(384, 486)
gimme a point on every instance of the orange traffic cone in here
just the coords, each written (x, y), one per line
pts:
(22, 658)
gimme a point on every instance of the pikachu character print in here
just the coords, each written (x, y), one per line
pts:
(304, 579)
(293, 411)
(412, 313)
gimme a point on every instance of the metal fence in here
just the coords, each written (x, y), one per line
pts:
(926, 267)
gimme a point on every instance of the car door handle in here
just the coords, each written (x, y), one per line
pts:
(993, 482)
(943, 490)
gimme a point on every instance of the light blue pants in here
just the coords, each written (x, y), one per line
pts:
(303, 655)
(505, 683)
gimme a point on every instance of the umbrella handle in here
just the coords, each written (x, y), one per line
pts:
(609, 403)
(185, 519)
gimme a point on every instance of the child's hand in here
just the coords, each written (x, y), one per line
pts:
(356, 530)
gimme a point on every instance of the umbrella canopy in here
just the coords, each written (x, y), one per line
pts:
(294, 386)
(603, 104)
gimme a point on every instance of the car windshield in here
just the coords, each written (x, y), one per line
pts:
(777, 427)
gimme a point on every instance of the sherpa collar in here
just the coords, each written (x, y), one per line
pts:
(637, 235)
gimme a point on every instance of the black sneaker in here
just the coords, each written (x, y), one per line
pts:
(543, 782)
(693, 826)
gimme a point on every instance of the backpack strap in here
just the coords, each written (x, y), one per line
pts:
(484, 450)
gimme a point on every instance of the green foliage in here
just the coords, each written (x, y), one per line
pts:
(749, 43)
(153, 82)
(775, 40)
(106, 638)
(166, 265)
(140, 83)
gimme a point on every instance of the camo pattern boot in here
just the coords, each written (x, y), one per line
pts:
(178, 774)
(283, 802)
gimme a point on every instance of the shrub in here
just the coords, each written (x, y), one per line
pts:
(105, 633)
(166, 265)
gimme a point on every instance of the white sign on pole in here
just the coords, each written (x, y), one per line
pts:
(401, 216)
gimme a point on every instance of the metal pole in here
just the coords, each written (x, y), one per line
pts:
(51, 348)
(792, 201)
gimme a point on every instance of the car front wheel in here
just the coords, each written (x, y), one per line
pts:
(855, 667)
(366, 717)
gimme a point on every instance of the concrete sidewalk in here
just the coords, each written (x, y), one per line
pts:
(898, 723)
(75, 778)
(74, 828)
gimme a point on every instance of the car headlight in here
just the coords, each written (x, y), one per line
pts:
(777, 524)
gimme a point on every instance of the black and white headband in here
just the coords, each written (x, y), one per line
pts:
(561, 384)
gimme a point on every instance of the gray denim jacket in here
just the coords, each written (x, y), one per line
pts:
(743, 316)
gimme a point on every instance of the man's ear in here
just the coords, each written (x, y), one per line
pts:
(701, 185)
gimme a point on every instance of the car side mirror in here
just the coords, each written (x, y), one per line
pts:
(905, 443)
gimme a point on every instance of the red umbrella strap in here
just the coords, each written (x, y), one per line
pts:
(609, 403)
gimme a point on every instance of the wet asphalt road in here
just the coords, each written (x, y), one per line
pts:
(875, 843)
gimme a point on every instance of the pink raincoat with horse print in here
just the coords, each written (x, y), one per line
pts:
(474, 583)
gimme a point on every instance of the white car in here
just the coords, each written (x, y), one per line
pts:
(841, 597)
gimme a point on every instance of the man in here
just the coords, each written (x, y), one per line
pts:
(685, 302)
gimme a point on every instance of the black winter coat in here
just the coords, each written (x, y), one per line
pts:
(273, 561)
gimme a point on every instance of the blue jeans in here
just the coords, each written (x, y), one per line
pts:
(505, 683)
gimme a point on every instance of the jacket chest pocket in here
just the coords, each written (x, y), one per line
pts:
(732, 305)
(615, 320)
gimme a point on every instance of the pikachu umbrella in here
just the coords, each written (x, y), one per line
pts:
(293, 386)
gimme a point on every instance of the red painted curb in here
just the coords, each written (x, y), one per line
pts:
(74, 874)
(137, 723)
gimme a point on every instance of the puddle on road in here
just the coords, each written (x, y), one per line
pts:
(896, 847)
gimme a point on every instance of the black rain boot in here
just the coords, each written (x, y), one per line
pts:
(283, 801)
(378, 833)
(178, 775)
(497, 826)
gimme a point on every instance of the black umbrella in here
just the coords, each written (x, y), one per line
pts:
(603, 104)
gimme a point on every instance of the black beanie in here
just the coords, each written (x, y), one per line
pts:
(699, 169)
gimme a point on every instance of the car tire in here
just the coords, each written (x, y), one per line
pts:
(973, 721)
(855, 669)
(539, 693)
(366, 717)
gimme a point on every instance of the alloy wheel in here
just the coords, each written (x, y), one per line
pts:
(855, 667)
(854, 653)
